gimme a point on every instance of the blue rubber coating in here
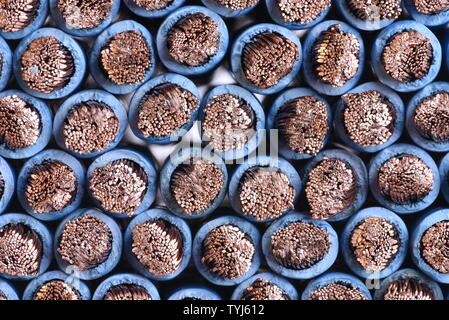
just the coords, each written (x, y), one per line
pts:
(318, 268)
(309, 72)
(425, 222)
(284, 98)
(396, 150)
(414, 102)
(143, 161)
(92, 94)
(125, 278)
(103, 39)
(288, 289)
(79, 286)
(249, 229)
(215, 6)
(45, 236)
(276, 16)
(79, 61)
(38, 21)
(52, 155)
(180, 224)
(381, 41)
(444, 177)
(142, 12)
(200, 293)
(335, 277)
(354, 222)
(255, 140)
(8, 176)
(8, 290)
(46, 121)
(141, 94)
(398, 109)
(77, 32)
(262, 161)
(179, 157)
(360, 173)
(170, 21)
(246, 37)
(116, 246)
(431, 20)
(366, 25)
(408, 274)
(6, 67)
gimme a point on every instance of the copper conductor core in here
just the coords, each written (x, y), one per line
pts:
(152, 5)
(368, 117)
(408, 289)
(90, 126)
(375, 10)
(20, 250)
(16, 15)
(229, 122)
(435, 246)
(164, 109)
(265, 193)
(301, 11)
(51, 186)
(119, 186)
(262, 289)
(267, 58)
(84, 14)
(331, 188)
(432, 117)
(336, 56)
(20, 123)
(405, 179)
(375, 243)
(431, 6)
(158, 245)
(2, 186)
(127, 291)
(47, 65)
(299, 245)
(227, 252)
(303, 124)
(85, 242)
(56, 290)
(337, 291)
(126, 58)
(195, 185)
(193, 40)
(407, 56)
(237, 4)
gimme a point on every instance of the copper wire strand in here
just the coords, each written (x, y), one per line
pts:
(434, 246)
(237, 4)
(407, 56)
(127, 291)
(375, 10)
(303, 124)
(268, 58)
(16, 15)
(301, 11)
(331, 188)
(21, 250)
(195, 185)
(20, 123)
(56, 290)
(165, 109)
(265, 192)
(229, 122)
(337, 291)
(119, 186)
(262, 289)
(431, 117)
(158, 245)
(408, 289)
(368, 117)
(299, 245)
(335, 56)
(152, 5)
(227, 252)
(193, 40)
(84, 14)
(431, 7)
